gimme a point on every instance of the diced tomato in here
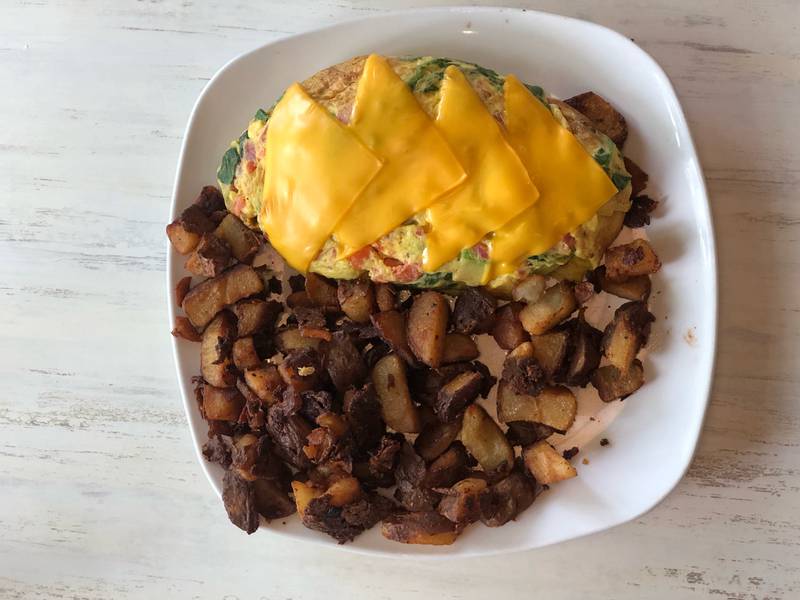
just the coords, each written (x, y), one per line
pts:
(238, 205)
(357, 259)
(251, 166)
(481, 250)
(406, 273)
(569, 240)
(392, 262)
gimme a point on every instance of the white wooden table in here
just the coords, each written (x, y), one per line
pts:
(100, 493)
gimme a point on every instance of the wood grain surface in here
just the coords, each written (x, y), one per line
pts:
(100, 493)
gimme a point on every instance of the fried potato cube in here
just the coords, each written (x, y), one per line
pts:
(546, 464)
(556, 304)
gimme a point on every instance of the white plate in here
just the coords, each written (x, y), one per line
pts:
(653, 438)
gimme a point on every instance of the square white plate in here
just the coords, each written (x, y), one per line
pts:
(653, 438)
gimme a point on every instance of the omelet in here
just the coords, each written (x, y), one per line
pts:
(398, 256)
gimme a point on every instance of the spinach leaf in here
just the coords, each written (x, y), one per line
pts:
(538, 92)
(620, 180)
(228, 167)
(603, 158)
(241, 141)
(261, 115)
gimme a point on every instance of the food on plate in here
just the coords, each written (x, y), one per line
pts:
(380, 231)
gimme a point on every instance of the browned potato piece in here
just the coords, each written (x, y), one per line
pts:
(216, 365)
(555, 407)
(524, 433)
(272, 501)
(485, 441)
(556, 304)
(182, 240)
(419, 528)
(185, 231)
(210, 257)
(626, 334)
(634, 288)
(456, 394)
(391, 385)
(603, 116)
(243, 241)
(631, 260)
(303, 494)
(244, 354)
(448, 468)
(638, 177)
(357, 299)
(181, 289)
(611, 383)
(391, 326)
(265, 382)
(183, 329)
(530, 289)
(206, 299)
(584, 353)
(427, 325)
(301, 370)
(459, 347)
(461, 503)
(385, 297)
(222, 404)
(546, 464)
(435, 438)
(321, 291)
(292, 339)
(550, 350)
(506, 499)
(508, 331)
(296, 299)
(254, 315)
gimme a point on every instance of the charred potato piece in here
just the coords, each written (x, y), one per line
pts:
(556, 304)
(391, 385)
(550, 350)
(321, 291)
(182, 288)
(211, 256)
(385, 297)
(522, 372)
(222, 404)
(473, 311)
(210, 200)
(638, 177)
(633, 288)
(485, 441)
(461, 503)
(546, 464)
(183, 329)
(244, 354)
(357, 299)
(343, 362)
(255, 315)
(272, 500)
(506, 499)
(185, 231)
(530, 289)
(291, 339)
(216, 365)
(238, 496)
(612, 383)
(585, 353)
(419, 528)
(631, 260)
(638, 214)
(507, 330)
(603, 116)
(205, 300)
(265, 382)
(448, 468)
(555, 407)
(300, 370)
(435, 438)
(456, 394)
(525, 433)
(427, 325)
(243, 241)
(626, 334)
(459, 347)
(391, 326)
(362, 409)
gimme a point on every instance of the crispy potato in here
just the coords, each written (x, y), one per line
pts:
(626, 334)
(448, 468)
(272, 501)
(456, 394)
(435, 438)
(633, 288)
(506, 499)
(357, 299)
(507, 330)
(301, 370)
(385, 297)
(546, 464)
(301, 298)
(216, 365)
(530, 289)
(183, 329)
(485, 441)
(638, 177)
(181, 289)
(222, 404)
(343, 362)
(211, 256)
(291, 339)
(525, 433)
(427, 325)
(321, 291)
(585, 352)
(555, 406)
(244, 354)
(303, 494)
(205, 300)
(556, 304)
(419, 528)
(631, 260)
(344, 491)
(461, 503)
(550, 350)
(459, 347)
(391, 385)
(612, 383)
(182, 240)
(243, 241)
(265, 382)
(391, 326)
(474, 311)
(603, 116)
(255, 315)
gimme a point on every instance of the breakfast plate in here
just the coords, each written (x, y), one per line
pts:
(648, 440)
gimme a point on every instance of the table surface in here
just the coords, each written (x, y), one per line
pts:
(101, 495)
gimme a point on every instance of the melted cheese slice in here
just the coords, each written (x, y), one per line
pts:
(497, 187)
(572, 186)
(418, 165)
(315, 168)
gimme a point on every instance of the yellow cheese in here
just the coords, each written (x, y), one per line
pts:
(418, 165)
(572, 186)
(497, 187)
(315, 168)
